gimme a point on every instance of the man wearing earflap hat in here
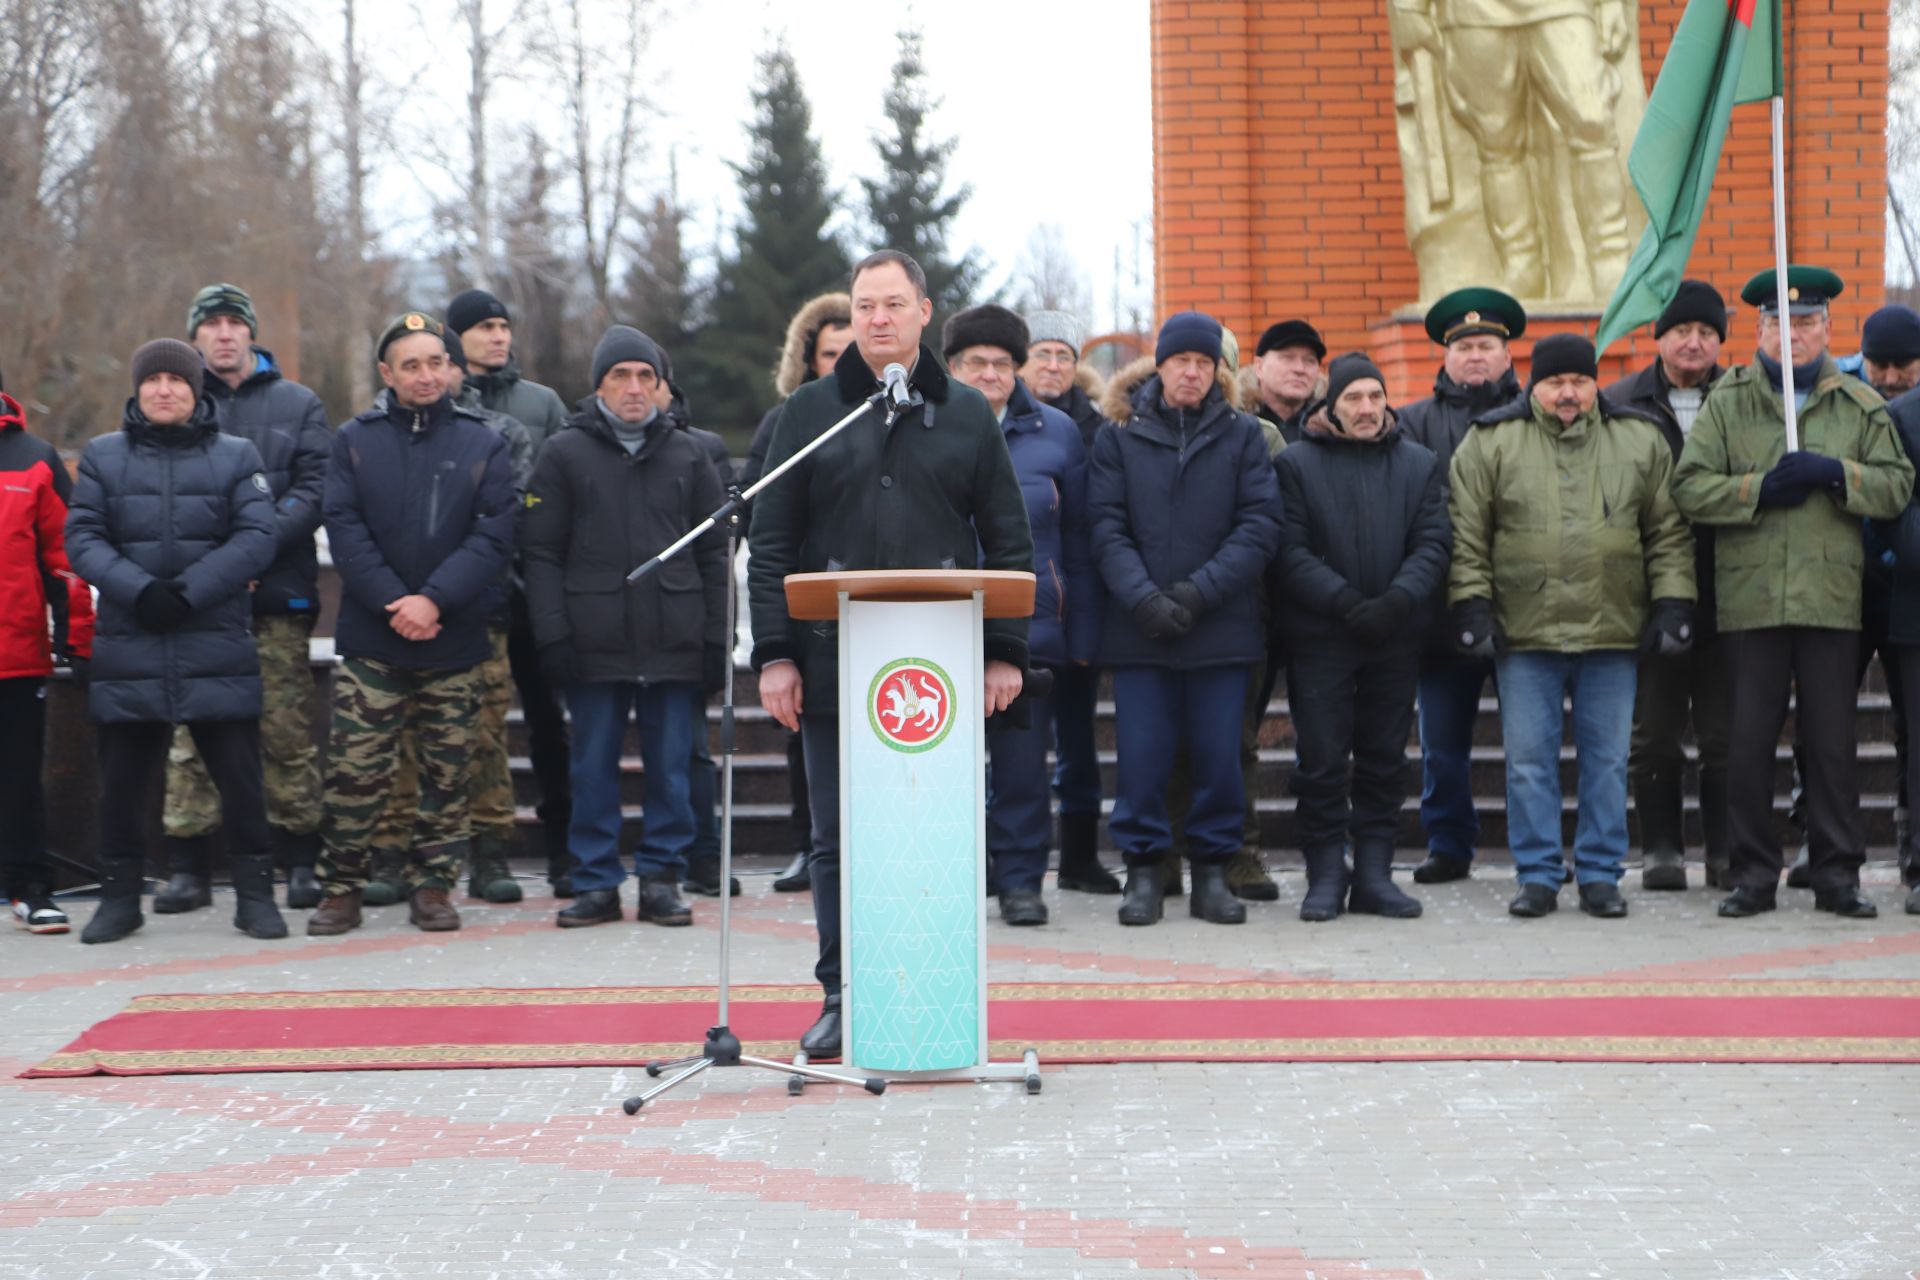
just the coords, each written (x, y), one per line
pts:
(1569, 562)
(1787, 561)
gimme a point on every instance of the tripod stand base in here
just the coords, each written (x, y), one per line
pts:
(723, 1050)
(1026, 1071)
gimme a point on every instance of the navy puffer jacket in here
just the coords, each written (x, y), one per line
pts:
(1184, 496)
(288, 425)
(1051, 462)
(180, 502)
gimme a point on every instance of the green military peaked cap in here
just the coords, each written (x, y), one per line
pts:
(1469, 311)
(1809, 289)
(403, 324)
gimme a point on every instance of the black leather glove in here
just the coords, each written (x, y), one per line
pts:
(80, 668)
(560, 664)
(1669, 628)
(713, 667)
(162, 605)
(1188, 597)
(1371, 622)
(1162, 618)
(1474, 631)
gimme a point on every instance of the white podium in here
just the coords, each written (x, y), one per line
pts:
(913, 836)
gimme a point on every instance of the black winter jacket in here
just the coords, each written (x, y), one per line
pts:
(1440, 423)
(936, 491)
(1645, 393)
(418, 502)
(288, 425)
(1079, 406)
(1903, 534)
(184, 502)
(1184, 497)
(1360, 514)
(593, 513)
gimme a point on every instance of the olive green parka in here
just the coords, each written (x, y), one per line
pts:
(1568, 529)
(1789, 566)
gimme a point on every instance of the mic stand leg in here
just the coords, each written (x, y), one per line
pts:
(722, 1048)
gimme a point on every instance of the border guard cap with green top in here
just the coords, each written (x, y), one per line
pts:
(1809, 290)
(1465, 312)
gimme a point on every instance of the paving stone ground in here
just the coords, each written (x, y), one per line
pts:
(1444, 1170)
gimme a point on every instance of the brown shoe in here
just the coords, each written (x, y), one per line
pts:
(430, 910)
(337, 913)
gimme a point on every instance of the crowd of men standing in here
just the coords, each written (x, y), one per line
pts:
(1629, 557)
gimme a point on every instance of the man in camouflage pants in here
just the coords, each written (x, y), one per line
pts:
(286, 423)
(489, 776)
(420, 517)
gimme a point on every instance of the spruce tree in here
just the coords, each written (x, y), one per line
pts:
(661, 296)
(906, 204)
(784, 252)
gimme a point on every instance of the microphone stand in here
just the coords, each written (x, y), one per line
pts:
(722, 1047)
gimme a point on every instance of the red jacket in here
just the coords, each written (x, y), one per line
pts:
(35, 577)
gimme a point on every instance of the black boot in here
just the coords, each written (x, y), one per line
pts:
(1326, 883)
(1080, 867)
(188, 886)
(1441, 868)
(553, 836)
(1800, 874)
(1141, 900)
(795, 879)
(1713, 828)
(1663, 852)
(822, 1039)
(1212, 898)
(253, 911)
(1374, 892)
(297, 854)
(660, 902)
(703, 876)
(119, 911)
(1171, 884)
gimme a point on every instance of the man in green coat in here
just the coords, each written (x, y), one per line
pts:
(1569, 561)
(937, 490)
(1787, 559)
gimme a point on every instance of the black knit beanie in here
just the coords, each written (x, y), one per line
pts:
(1349, 369)
(471, 307)
(1694, 300)
(169, 355)
(1563, 353)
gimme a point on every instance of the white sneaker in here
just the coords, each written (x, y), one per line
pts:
(37, 914)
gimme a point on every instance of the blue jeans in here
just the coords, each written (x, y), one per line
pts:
(1019, 820)
(666, 716)
(1076, 774)
(1533, 686)
(1449, 699)
(703, 792)
(1156, 711)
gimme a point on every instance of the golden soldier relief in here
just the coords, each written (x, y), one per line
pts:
(1515, 118)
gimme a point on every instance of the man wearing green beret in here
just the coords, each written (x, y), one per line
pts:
(1476, 377)
(1787, 559)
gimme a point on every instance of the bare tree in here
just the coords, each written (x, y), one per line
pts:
(604, 104)
(359, 291)
(1048, 278)
(1903, 130)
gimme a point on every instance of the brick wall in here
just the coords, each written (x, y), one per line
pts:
(1277, 172)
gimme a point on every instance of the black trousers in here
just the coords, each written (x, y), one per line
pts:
(1906, 658)
(546, 719)
(130, 756)
(1352, 713)
(1762, 665)
(23, 800)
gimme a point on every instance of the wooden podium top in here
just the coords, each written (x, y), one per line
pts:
(815, 597)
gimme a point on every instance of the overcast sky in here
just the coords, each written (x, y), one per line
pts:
(1050, 104)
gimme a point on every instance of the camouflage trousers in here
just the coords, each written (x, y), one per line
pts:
(377, 709)
(289, 696)
(489, 779)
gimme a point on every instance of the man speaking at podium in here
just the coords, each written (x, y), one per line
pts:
(936, 490)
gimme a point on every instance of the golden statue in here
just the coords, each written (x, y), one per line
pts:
(1515, 118)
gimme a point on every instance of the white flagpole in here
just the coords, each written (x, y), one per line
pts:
(1784, 316)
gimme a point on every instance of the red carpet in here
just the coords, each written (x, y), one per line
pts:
(1565, 1021)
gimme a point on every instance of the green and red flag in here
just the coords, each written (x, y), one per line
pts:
(1724, 52)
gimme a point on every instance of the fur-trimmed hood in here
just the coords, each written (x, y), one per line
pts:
(1116, 401)
(1088, 379)
(792, 370)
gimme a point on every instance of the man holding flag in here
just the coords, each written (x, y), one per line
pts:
(1787, 558)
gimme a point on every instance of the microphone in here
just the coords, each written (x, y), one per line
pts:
(899, 398)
